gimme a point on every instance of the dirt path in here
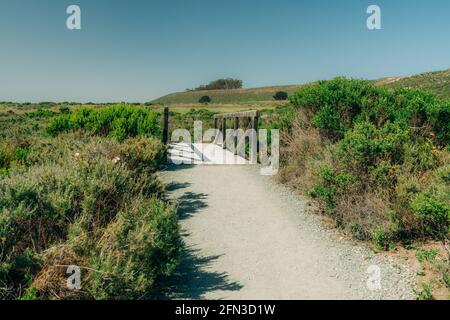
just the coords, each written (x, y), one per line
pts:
(249, 238)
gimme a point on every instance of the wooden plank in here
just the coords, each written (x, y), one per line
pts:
(243, 114)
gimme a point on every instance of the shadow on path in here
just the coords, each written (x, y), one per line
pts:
(173, 186)
(170, 167)
(189, 203)
(192, 280)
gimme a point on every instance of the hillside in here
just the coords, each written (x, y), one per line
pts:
(226, 96)
(437, 82)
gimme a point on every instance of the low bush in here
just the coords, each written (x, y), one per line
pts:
(91, 208)
(366, 146)
(333, 104)
(330, 186)
(139, 247)
(336, 106)
(377, 161)
(280, 96)
(433, 212)
(6, 156)
(41, 113)
(143, 155)
(117, 121)
(204, 100)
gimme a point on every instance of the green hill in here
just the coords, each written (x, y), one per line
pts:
(437, 82)
(234, 96)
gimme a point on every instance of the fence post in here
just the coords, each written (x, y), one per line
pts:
(236, 127)
(215, 130)
(255, 121)
(224, 132)
(165, 136)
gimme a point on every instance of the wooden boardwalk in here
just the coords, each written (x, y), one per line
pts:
(203, 153)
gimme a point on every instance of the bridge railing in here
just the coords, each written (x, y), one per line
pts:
(220, 123)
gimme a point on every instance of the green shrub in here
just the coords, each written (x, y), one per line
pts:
(57, 212)
(366, 146)
(204, 100)
(424, 109)
(222, 84)
(33, 210)
(330, 121)
(380, 239)
(420, 156)
(64, 110)
(21, 154)
(425, 293)
(143, 154)
(426, 255)
(6, 156)
(330, 185)
(118, 121)
(388, 166)
(142, 245)
(59, 125)
(444, 174)
(41, 113)
(337, 105)
(434, 213)
(280, 96)
(334, 104)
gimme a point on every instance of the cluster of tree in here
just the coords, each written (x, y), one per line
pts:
(204, 100)
(280, 95)
(220, 84)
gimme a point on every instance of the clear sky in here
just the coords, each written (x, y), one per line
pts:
(137, 50)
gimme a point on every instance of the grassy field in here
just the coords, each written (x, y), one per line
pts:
(237, 96)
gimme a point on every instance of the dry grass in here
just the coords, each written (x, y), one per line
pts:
(51, 281)
(303, 153)
(360, 214)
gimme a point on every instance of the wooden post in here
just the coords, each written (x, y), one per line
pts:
(165, 136)
(255, 121)
(215, 130)
(236, 127)
(224, 134)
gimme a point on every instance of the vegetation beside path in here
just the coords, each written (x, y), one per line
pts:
(79, 188)
(377, 161)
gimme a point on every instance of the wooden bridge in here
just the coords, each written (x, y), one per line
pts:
(218, 151)
(220, 123)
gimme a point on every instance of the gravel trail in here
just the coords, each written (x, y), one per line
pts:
(249, 238)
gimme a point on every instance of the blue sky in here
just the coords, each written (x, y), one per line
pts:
(137, 50)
